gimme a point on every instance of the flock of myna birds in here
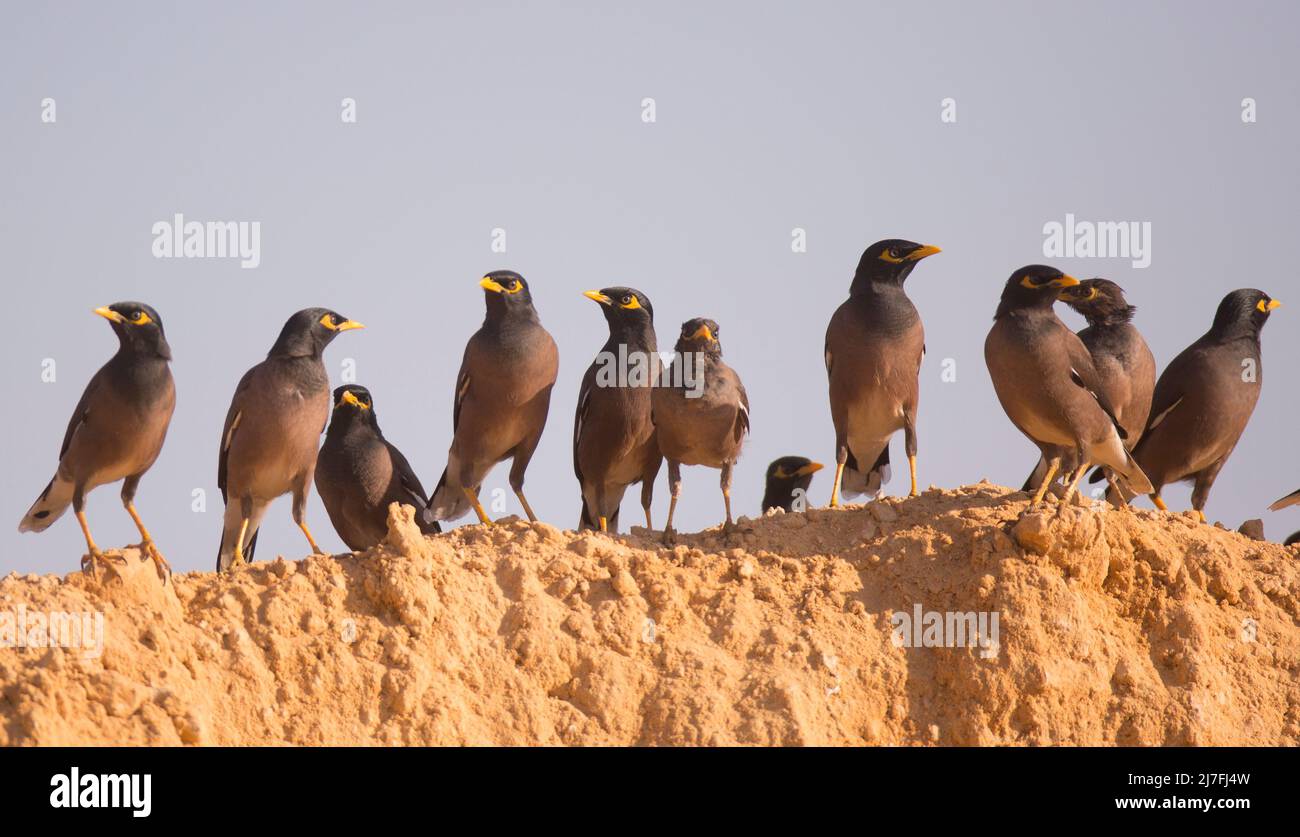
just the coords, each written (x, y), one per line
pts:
(1086, 400)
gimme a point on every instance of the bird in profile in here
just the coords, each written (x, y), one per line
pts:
(359, 473)
(614, 441)
(116, 431)
(786, 483)
(1047, 383)
(701, 413)
(1204, 399)
(874, 346)
(1124, 362)
(503, 393)
(272, 429)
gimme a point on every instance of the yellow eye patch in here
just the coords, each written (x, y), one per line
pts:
(891, 257)
(631, 303)
(513, 286)
(332, 322)
(141, 318)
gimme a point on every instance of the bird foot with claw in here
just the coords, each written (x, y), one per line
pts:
(95, 558)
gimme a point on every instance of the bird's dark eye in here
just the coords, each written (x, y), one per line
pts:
(513, 284)
(627, 300)
(894, 254)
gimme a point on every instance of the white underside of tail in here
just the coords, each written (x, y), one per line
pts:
(1112, 453)
(49, 507)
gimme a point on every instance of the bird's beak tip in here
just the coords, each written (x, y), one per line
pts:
(597, 296)
(109, 314)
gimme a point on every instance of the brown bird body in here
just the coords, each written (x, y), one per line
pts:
(272, 431)
(1045, 380)
(701, 412)
(359, 473)
(614, 439)
(874, 345)
(503, 396)
(1205, 398)
(117, 428)
(1126, 369)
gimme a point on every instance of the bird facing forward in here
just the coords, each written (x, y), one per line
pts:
(874, 346)
(503, 394)
(614, 442)
(272, 429)
(117, 429)
(701, 413)
(359, 473)
(1048, 385)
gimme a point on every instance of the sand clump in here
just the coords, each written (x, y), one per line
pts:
(1115, 627)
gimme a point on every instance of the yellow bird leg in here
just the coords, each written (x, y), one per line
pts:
(164, 569)
(835, 487)
(604, 524)
(239, 545)
(1052, 468)
(315, 550)
(911, 466)
(96, 557)
(528, 510)
(1160, 504)
(478, 507)
(1201, 515)
(1074, 482)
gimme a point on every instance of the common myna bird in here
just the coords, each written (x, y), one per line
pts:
(1048, 385)
(614, 443)
(503, 393)
(272, 430)
(701, 413)
(787, 477)
(359, 473)
(874, 345)
(1123, 360)
(1204, 399)
(117, 428)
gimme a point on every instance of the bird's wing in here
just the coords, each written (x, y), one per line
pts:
(406, 475)
(1170, 391)
(233, 415)
(79, 414)
(742, 415)
(462, 387)
(580, 415)
(1084, 373)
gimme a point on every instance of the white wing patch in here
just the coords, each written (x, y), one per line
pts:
(1156, 421)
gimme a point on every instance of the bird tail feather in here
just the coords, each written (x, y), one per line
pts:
(1122, 463)
(1289, 500)
(49, 507)
(448, 501)
(871, 483)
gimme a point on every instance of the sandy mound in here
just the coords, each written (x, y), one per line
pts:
(1115, 626)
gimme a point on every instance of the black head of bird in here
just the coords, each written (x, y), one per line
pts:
(352, 403)
(1099, 301)
(138, 327)
(888, 262)
(507, 294)
(1033, 286)
(699, 335)
(623, 307)
(785, 476)
(309, 331)
(1243, 313)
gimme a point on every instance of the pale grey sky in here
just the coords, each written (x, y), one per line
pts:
(472, 116)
